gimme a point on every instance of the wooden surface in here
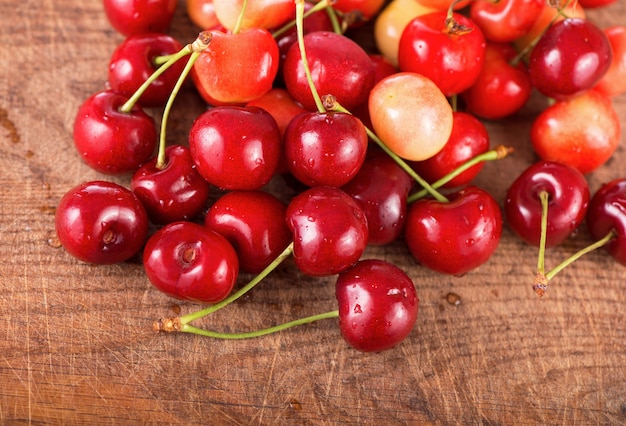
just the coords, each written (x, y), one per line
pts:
(76, 344)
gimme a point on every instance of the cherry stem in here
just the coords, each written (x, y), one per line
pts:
(334, 20)
(239, 22)
(186, 328)
(316, 8)
(197, 47)
(544, 197)
(497, 153)
(305, 62)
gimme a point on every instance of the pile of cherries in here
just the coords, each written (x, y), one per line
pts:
(383, 146)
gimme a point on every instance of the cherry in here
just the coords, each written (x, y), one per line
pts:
(131, 17)
(582, 132)
(101, 222)
(241, 157)
(329, 230)
(173, 192)
(449, 51)
(381, 188)
(267, 14)
(590, 4)
(191, 262)
(613, 82)
(570, 58)
(366, 9)
(202, 14)
(606, 215)
(112, 141)
(133, 62)
(454, 237)
(252, 221)
(567, 197)
(505, 20)
(281, 105)
(468, 139)
(378, 305)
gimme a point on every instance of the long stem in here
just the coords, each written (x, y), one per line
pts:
(239, 22)
(305, 62)
(315, 8)
(544, 197)
(186, 328)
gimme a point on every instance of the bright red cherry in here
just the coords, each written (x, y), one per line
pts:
(329, 230)
(454, 237)
(190, 262)
(111, 141)
(451, 55)
(244, 156)
(101, 222)
(568, 198)
(132, 63)
(570, 58)
(131, 17)
(174, 192)
(606, 212)
(253, 222)
(378, 305)
(505, 20)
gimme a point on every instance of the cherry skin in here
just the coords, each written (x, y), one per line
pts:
(111, 141)
(241, 157)
(378, 305)
(190, 262)
(454, 237)
(101, 222)
(252, 222)
(202, 14)
(570, 58)
(590, 4)
(582, 132)
(132, 63)
(365, 8)
(606, 213)
(568, 198)
(174, 192)
(451, 58)
(468, 139)
(250, 56)
(501, 89)
(505, 20)
(131, 17)
(267, 14)
(411, 115)
(325, 148)
(329, 230)
(381, 188)
(339, 67)
(613, 82)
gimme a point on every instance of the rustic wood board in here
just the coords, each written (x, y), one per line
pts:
(76, 344)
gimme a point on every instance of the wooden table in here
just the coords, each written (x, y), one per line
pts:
(76, 341)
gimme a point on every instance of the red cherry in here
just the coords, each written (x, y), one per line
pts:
(378, 305)
(111, 141)
(132, 63)
(329, 230)
(590, 4)
(452, 57)
(190, 262)
(173, 193)
(241, 157)
(250, 56)
(454, 237)
(568, 198)
(570, 58)
(339, 67)
(101, 223)
(131, 17)
(253, 222)
(613, 82)
(202, 13)
(505, 20)
(606, 212)
(582, 132)
(365, 8)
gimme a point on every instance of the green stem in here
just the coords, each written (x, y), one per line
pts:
(316, 8)
(541, 265)
(332, 15)
(186, 328)
(497, 153)
(305, 62)
(239, 22)
(185, 319)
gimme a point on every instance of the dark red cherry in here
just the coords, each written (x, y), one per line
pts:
(253, 222)
(101, 222)
(191, 262)
(378, 305)
(570, 58)
(140, 16)
(454, 237)
(329, 230)
(111, 141)
(607, 212)
(568, 198)
(381, 188)
(236, 148)
(174, 192)
(132, 63)
(325, 148)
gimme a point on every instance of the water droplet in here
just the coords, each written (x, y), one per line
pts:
(357, 309)
(393, 292)
(53, 241)
(469, 242)
(453, 299)
(310, 218)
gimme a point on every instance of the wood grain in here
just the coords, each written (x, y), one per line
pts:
(76, 344)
